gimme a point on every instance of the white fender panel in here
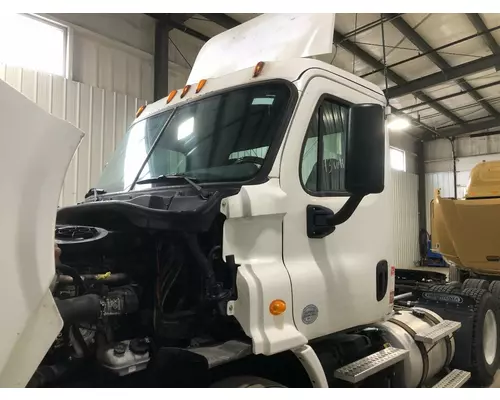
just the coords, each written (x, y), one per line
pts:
(253, 234)
(35, 151)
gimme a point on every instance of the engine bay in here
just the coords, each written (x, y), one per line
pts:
(125, 292)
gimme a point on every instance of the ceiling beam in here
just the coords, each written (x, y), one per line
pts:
(480, 26)
(430, 132)
(223, 20)
(402, 26)
(447, 75)
(164, 18)
(176, 21)
(449, 96)
(189, 31)
(470, 128)
(393, 76)
(161, 65)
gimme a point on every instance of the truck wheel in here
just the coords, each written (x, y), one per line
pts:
(476, 284)
(455, 285)
(495, 288)
(245, 382)
(485, 350)
(495, 291)
(444, 289)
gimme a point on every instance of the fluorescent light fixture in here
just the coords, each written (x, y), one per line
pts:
(398, 124)
(185, 129)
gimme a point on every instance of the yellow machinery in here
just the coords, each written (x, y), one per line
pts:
(467, 231)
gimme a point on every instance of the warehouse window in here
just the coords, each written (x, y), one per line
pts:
(322, 166)
(398, 159)
(32, 42)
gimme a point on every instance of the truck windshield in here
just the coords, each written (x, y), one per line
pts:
(222, 138)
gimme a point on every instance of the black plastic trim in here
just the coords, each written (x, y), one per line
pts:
(317, 230)
(382, 279)
(188, 214)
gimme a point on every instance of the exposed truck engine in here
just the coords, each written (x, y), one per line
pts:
(124, 290)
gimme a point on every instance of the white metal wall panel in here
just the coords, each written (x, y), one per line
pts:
(405, 219)
(111, 66)
(465, 146)
(103, 115)
(134, 29)
(111, 51)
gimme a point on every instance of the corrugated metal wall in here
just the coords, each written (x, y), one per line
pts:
(103, 115)
(405, 218)
(465, 147)
(115, 52)
(111, 51)
(107, 65)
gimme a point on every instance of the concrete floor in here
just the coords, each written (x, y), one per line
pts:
(496, 382)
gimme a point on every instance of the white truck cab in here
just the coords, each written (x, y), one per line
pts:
(243, 218)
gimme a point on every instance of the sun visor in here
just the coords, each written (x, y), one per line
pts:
(269, 37)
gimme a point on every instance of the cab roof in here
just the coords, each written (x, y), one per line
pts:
(289, 70)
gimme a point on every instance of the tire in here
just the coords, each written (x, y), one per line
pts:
(455, 285)
(444, 289)
(494, 288)
(495, 291)
(476, 284)
(246, 382)
(453, 273)
(485, 350)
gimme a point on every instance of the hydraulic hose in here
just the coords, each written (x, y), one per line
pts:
(86, 308)
(201, 259)
(67, 270)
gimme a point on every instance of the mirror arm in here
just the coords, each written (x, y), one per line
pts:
(321, 221)
(347, 209)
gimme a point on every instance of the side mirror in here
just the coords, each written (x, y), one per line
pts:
(365, 155)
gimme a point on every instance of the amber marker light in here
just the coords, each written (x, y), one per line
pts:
(200, 85)
(185, 90)
(139, 111)
(258, 69)
(277, 307)
(171, 96)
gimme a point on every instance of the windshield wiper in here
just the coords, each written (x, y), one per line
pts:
(94, 192)
(165, 178)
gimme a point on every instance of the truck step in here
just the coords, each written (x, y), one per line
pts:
(358, 370)
(454, 379)
(434, 333)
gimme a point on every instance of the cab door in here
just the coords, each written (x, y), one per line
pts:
(340, 277)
